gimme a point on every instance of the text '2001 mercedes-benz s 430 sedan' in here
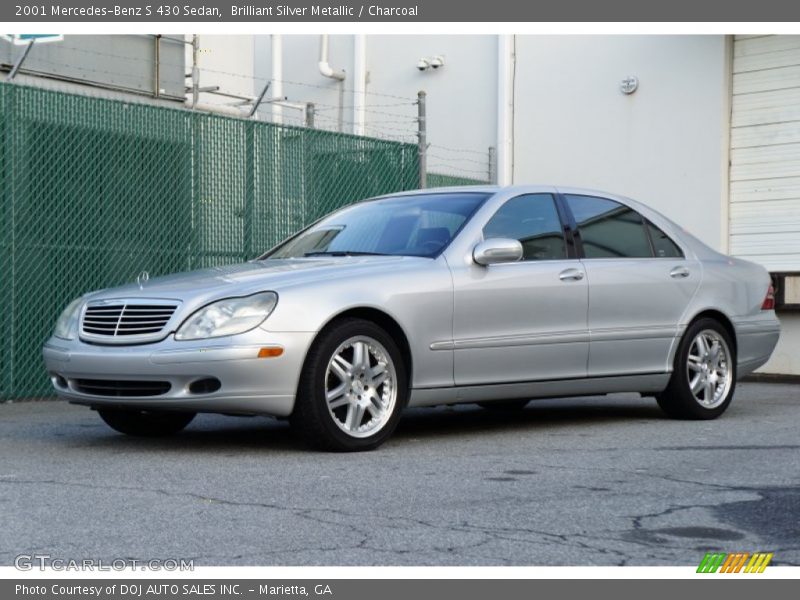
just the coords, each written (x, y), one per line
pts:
(488, 295)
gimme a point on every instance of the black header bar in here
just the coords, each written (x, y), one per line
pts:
(401, 11)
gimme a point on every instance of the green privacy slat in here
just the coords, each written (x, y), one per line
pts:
(96, 191)
(442, 180)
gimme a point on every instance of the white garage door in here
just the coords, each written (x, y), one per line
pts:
(765, 151)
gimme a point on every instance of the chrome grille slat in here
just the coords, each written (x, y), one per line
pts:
(129, 319)
(102, 319)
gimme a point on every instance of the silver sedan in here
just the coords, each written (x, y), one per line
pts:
(477, 294)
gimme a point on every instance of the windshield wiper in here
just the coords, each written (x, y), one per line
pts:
(343, 253)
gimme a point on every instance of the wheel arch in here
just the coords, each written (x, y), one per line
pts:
(712, 313)
(721, 318)
(383, 320)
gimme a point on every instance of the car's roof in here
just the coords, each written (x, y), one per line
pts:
(494, 189)
(484, 189)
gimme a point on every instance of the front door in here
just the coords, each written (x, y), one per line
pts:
(522, 321)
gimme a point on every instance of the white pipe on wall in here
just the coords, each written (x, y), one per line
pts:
(359, 83)
(505, 109)
(324, 65)
(276, 87)
(328, 71)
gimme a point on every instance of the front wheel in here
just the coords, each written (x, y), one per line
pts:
(144, 423)
(704, 374)
(352, 389)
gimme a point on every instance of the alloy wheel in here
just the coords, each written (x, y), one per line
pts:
(708, 368)
(361, 386)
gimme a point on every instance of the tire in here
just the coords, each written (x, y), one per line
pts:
(366, 398)
(142, 423)
(692, 365)
(504, 405)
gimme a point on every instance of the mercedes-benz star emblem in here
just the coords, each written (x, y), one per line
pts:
(142, 278)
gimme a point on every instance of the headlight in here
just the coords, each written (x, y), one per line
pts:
(67, 325)
(228, 317)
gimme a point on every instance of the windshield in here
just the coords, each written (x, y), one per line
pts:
(419, 225)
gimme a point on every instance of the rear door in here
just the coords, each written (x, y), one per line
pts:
(640, 284)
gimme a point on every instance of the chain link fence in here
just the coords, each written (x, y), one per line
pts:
(447, 166)
(96, 191)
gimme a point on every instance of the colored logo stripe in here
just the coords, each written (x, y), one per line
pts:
(734, 562)
(711, 562)
(758, 563)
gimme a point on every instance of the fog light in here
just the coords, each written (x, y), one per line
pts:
(208, 385)
(60, 382)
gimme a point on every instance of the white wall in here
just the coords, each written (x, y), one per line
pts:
(461, 96)
(786, 357)
(302, 79)
(664, 145)
(226, 61)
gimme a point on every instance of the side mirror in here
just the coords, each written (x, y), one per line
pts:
(497, 250)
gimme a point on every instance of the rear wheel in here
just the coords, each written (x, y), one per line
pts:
(145, 423)
(352, 389)
(704, 374)
(504, 405)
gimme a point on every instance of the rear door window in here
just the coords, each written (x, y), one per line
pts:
(609, 229)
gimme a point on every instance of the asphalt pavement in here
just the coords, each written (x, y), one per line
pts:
(592, 481)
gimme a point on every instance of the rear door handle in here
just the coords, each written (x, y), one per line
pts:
(679, 272)
(571, 275)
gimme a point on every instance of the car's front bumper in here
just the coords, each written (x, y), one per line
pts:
(248, 384)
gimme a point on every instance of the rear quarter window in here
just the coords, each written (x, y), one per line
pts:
(663, 246)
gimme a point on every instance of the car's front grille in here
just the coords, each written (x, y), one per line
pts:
(120, 389)
(126, 318)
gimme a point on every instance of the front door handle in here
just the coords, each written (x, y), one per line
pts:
(679, 273)
(571, 275)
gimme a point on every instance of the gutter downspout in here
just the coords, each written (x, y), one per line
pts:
(505, 109)
(324, 66)
(328, 71)
(276, 42)
(359, 83)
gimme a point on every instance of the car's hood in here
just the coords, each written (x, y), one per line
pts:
(255, 276)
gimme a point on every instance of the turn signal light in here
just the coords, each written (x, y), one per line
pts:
(769, 301)
(270, 352)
